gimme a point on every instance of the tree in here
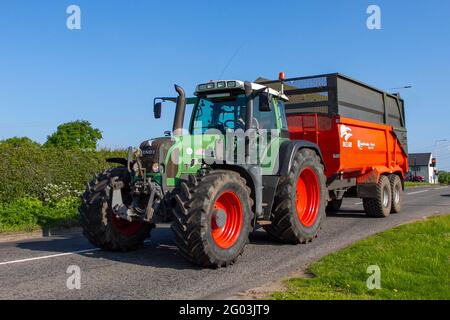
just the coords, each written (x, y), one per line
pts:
(17, 142)
(76, 134)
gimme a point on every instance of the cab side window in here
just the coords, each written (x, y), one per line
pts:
(281, 107)
(264, 120)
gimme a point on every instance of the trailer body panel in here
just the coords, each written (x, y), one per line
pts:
(350, 147)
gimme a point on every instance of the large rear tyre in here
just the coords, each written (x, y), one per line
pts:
(213, 218)
(299, 206)
(397, 193)
(100, 225)
(380, 206)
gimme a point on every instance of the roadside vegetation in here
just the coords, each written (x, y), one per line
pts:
(413, 260)
(40, 185)
(444, 177)
(410, 184)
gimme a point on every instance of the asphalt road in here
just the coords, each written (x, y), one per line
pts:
(36, 269)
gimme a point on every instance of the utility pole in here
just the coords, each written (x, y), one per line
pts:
(436, 143)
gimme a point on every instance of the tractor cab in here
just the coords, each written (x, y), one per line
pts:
(228, 105)
(233, 105)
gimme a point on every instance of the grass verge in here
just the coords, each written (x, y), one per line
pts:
(414, 260)
(409, 184)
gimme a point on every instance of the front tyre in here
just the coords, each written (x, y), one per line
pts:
(300, 200)
(213, 218)
(100, 225)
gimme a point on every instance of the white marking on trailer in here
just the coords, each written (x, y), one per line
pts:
(54, 255)
(358, 203)
(417, 192)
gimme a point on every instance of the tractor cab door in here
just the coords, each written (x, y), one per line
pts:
(269, 128)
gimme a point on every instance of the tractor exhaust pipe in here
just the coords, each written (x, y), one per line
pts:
(180, 111)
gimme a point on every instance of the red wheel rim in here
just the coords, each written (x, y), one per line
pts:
(125, 227)
(308, 197)
(227, 207)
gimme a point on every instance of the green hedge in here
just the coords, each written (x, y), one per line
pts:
(444, 177)
(28, 214)
(26, 170)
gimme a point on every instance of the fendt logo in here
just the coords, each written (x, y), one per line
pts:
(346, 134)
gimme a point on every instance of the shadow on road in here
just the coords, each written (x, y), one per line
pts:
(160, 251)
(445, 195)
(349, 213)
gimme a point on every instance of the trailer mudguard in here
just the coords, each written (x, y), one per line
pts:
(288, 149)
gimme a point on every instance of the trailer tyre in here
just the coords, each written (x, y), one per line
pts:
(397, 193)
(212, 220)
(300, 200)
(380, 206)
(334, 206)
(100, 225)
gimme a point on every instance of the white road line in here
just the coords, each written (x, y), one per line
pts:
(56, 255)
(441, 188)
(48, 257)
(417, 192)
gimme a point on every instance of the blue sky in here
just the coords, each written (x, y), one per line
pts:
(127, 52)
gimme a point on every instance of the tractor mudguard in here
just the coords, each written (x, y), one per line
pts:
(288, 149)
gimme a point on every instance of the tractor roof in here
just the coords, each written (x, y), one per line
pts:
(217, 86)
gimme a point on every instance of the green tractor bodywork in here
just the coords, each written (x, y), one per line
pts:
(234, 168)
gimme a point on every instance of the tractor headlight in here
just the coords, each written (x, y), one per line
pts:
(155, 167)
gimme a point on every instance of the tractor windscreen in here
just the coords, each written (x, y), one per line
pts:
(220, 114)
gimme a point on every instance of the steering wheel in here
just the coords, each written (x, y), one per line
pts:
(226, 121)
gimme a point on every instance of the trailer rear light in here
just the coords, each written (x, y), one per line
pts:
(282, 76)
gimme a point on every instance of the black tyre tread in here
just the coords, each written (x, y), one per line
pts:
(192, 200)
(374, 206)
(334, 206)
(395, 179)
(282, 229)
(95, 214)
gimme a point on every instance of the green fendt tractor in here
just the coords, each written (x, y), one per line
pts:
(233, 170)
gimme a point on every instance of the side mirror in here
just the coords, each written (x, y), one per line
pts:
(157, 110)
(265, 102)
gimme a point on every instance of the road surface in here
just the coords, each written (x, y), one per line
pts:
(37, 269)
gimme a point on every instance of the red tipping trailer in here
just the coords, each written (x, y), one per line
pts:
(361, 133)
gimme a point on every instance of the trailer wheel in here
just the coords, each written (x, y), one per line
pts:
(299, 206)
(100, 225)
(380, 206)
(334, 206)
(212, 220)
(397, 193)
